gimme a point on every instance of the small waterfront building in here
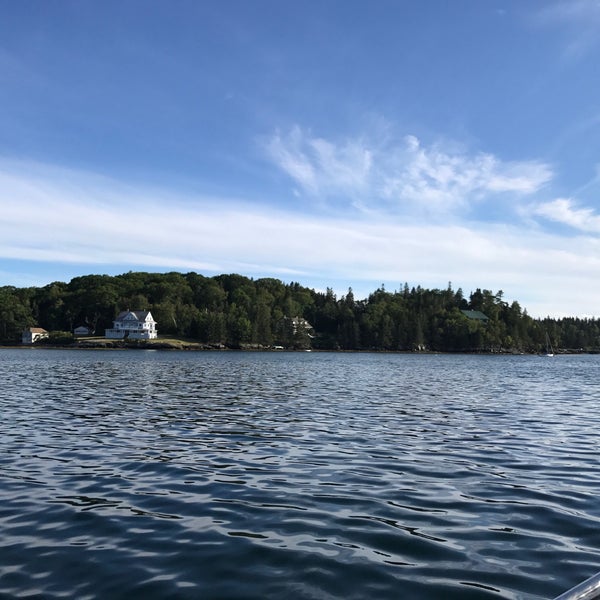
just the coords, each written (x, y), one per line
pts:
(134, 325)
(81, 331)
(32, 334)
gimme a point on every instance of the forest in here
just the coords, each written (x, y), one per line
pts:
(235, 311)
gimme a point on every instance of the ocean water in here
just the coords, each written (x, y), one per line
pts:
(147, 474)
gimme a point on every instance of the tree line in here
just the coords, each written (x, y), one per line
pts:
(239, 312)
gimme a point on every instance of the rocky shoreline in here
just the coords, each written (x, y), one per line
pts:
(173, 344)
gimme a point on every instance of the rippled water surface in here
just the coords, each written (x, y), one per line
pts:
(141, 474)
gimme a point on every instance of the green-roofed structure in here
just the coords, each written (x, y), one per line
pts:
(476, 315)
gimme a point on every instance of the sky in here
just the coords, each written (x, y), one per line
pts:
(334, 143)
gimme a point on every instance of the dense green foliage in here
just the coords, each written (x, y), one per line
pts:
(237, 311)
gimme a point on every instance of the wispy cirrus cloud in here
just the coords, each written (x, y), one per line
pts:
(580, 22)
(567, 212)
(586, 12)
(399, 176)
(453, 179)
(319, 166)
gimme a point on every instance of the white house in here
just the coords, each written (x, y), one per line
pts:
(299, 324)
(134, 325)
(33, 334)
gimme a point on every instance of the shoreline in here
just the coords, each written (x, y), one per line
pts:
(189, 346)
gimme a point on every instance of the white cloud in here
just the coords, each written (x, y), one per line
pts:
(400, 177)
(62, 217)
(565, 211)
(455, 179)
(288, 155)
(319, 166)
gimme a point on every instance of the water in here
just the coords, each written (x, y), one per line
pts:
(141, 474)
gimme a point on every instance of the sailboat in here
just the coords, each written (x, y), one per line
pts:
(549, 349)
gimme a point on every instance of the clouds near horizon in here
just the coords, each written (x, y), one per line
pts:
(97, 220)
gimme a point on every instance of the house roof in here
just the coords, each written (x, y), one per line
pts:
(36, 330)
(301, 321)
(140, 315)
(475, 314)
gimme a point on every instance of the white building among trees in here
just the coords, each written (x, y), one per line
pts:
(32, 334)
(133, 325)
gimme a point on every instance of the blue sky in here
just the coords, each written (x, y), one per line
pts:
(334, 143)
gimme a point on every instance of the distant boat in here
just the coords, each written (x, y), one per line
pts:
(549, 349)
